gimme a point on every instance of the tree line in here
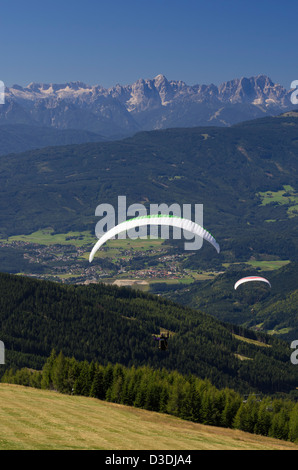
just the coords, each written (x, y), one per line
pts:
(163, 391)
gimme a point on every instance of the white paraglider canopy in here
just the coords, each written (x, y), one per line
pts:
(169, 220)
(249, 279)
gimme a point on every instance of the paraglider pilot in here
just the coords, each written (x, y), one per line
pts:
(163, 341)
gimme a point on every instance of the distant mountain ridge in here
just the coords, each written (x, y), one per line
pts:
(147, 104)
(17, 138)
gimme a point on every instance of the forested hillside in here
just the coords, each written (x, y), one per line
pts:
(111, 324)
(271, 310)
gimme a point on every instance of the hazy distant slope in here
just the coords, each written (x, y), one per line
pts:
(16, 138)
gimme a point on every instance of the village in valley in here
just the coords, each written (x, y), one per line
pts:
(125, 262)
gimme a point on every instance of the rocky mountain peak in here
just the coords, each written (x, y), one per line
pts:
(145, 104)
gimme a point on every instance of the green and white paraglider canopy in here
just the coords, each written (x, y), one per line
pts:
(169, 220)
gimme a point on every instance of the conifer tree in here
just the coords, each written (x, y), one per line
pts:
(82, 385)
(232, 404)
(280, 425)
(59, 374)
(47, 381)
(97, 388)
(108, 377)
(246, 416)
(264, 417)
(293, 424)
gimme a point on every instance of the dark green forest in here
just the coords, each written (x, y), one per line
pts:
(117, 325)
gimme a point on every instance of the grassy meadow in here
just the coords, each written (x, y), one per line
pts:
(32, 419)
(48, 237)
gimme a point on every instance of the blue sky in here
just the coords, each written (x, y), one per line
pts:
(120, 41)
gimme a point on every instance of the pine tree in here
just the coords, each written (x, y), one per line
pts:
(264, 418)
(59, 374)
(164, 397)
(246, 416)
(47, 382)
(152, 400)
(108, 377)
(141, 393)
(186, 406)
(97, 387)
(210, 414)
(293, 424)
(82, 385)
(232, 405)
(280, 425)
(73, 373)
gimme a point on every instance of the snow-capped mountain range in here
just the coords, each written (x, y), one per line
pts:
(144, 105)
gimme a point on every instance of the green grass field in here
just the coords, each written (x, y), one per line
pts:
(48, 237)
(263, 265)
(116, 249)
(286, 196)
(268, 265)
(32, 419)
